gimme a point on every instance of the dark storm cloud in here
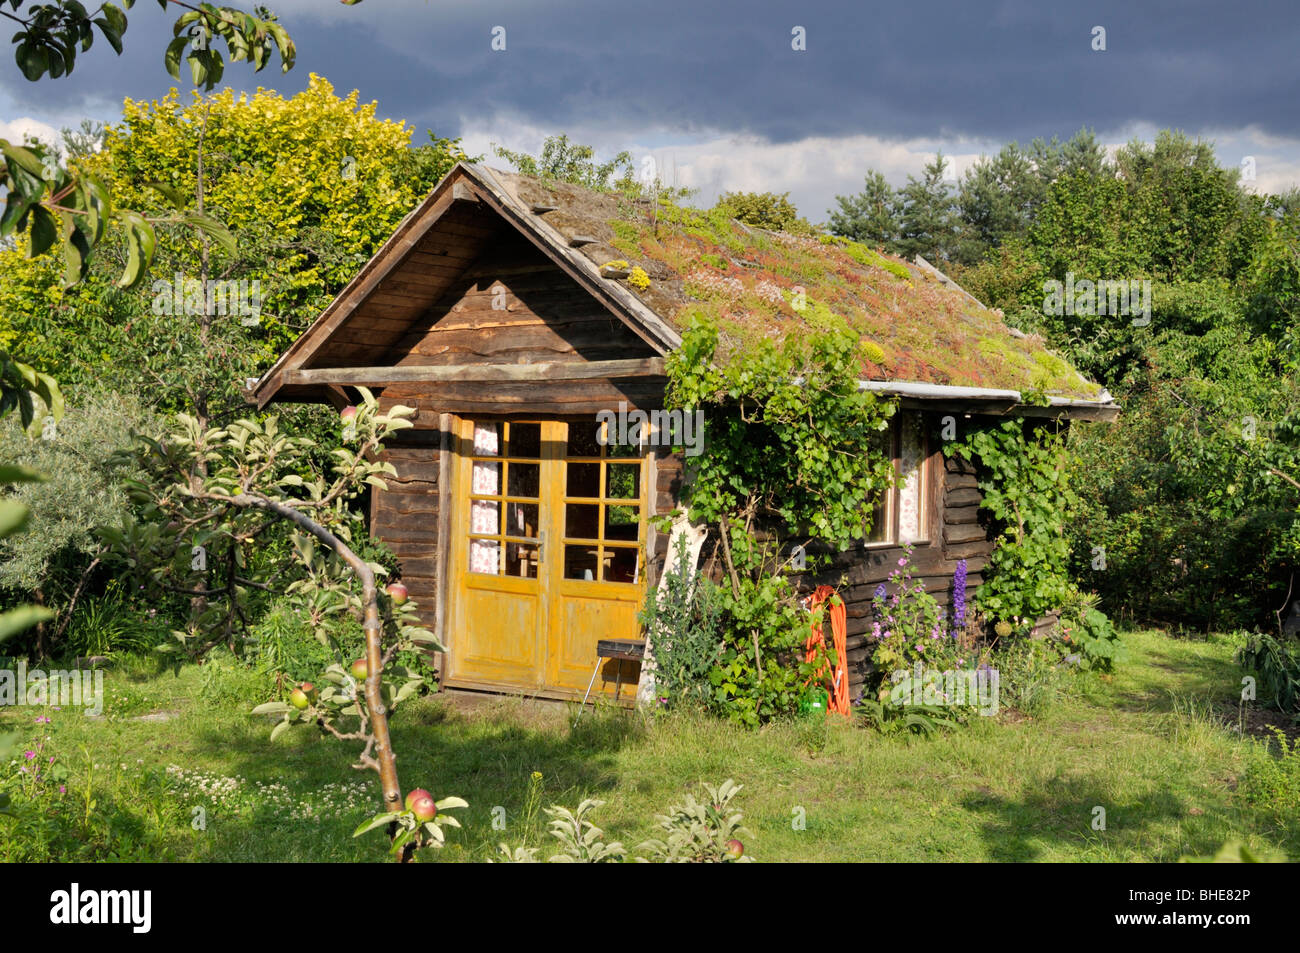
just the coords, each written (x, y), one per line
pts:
(945, 68)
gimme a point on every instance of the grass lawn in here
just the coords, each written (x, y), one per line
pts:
(1155, 746)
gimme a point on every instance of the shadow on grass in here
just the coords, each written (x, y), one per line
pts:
(1061, 812)
(1165, 669)
(486, 758)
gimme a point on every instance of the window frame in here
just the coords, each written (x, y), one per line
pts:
(891, 507)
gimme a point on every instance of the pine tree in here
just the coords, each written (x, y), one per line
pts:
(928, 222)
(871, 216)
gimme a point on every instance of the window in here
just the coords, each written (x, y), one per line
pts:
(505, 475)
(602, 509)
(900, 514)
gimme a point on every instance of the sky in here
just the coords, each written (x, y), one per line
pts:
(798, 97)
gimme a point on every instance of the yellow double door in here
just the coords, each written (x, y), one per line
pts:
(547, 555)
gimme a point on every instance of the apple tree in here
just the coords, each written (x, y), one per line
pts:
(209, 496)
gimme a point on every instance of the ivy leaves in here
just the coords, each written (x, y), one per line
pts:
(54, 33)
(1026, 489)
(788, 433)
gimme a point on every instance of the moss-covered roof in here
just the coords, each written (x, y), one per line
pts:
(914, 324)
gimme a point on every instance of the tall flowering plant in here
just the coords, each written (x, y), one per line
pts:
(959, 600)
(908, 625)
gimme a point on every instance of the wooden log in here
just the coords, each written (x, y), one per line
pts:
(962, 497)
(963, 532)
(968, 550)
(421, 373)
(956, 464)
(953, 515)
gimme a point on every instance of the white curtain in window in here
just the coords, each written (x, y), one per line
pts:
(911, 456)
(485, 515)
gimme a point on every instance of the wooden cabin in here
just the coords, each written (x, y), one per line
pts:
(512, 311)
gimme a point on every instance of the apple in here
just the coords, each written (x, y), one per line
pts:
(360, 670)
(397, 592)
(735, 849)
(298, 699)
(348, 414)
(308, 689)
(420, 803)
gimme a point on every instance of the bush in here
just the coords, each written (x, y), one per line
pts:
(1272, 782)
(288, 644)
(1032, 679)
(83, 491)
(113, 623)
(683, 627)
(1277, 664)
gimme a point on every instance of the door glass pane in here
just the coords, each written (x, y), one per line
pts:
(582, 440)
(525, 440)
(487, 439)
(582, 520)
(484, 516)
(880, 528)
(584, 479)
(521, 560)
(622, 564)
(484, 556)
(486, 480)
(521, 520)
(523, 479)
(622, 522)
(580, 562)
(623, 481)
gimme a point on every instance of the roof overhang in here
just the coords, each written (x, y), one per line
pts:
(996, 402)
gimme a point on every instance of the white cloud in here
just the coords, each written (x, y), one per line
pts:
(816, 169)
(19, 130)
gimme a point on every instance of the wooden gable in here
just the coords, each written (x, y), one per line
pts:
(473, 305)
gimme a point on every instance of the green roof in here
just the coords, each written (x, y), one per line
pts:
(914, 324)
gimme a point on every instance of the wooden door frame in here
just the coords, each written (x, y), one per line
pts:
(454, 556)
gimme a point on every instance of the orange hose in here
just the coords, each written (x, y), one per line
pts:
(839, 700)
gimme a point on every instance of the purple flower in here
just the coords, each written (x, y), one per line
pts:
(959, 597)
(42, 720)
(63, 789)
(880, 591)
(902, 561)
(29, 755)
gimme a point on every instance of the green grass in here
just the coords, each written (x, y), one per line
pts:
(1155, 746)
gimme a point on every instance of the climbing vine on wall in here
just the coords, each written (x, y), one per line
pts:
(788, 440)
(1025, 484)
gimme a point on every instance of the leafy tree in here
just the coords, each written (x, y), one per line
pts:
(310, 185)
(573, 162)
(51, 35)
(764, 210)
(1080, 153)
(48, 559)
(211, 495)
(53, 205)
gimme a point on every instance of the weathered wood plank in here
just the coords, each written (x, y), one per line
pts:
(961, 514)
(963, 532)
(963, 496)
(427, 373)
